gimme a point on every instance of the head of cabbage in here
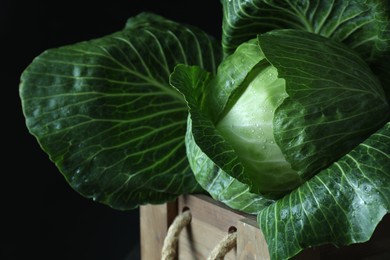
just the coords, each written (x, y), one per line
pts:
(288, 104)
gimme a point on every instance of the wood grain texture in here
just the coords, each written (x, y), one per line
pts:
(250, 241)
(154, 223)
(211, 221)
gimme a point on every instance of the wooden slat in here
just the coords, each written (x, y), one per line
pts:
(250, 241)
(154, 223)
(211, 221)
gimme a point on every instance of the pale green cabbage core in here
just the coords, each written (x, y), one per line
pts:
(248, 127)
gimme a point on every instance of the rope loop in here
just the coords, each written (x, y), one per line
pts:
(223, 247)
(169, 250)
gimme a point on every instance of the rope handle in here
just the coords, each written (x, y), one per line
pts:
(224, 246)
(169, 250)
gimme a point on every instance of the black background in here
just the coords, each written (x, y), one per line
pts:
(41, 216)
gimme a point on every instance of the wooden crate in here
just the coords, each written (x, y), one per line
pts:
(211, 221)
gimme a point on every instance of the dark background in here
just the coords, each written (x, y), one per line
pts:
(41, 216)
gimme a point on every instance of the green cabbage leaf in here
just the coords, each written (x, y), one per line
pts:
(106, 115)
